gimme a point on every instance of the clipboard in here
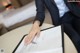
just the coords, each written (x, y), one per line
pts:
(58, 29)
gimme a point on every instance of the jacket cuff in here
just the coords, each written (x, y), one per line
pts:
(41, 21)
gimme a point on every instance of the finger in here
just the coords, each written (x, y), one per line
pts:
(38, 34)
(25, 40)
(29, 38)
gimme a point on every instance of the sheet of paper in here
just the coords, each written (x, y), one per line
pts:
(50, 41)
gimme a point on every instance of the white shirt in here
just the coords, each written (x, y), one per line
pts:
(62, 7)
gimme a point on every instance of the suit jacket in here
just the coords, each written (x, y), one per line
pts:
(54, 12)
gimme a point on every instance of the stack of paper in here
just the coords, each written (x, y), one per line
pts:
(50, 41)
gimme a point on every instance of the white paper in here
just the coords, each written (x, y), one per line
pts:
(50, 41)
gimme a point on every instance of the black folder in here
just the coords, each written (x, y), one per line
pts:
(58, 39)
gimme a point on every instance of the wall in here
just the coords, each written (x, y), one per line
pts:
(24, 2)
(15, 3)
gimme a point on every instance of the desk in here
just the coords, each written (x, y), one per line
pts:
(9, 41)
(2, 29)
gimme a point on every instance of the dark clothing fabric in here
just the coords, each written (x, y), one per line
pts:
(54, 12)
(70, 28)
(70, 20)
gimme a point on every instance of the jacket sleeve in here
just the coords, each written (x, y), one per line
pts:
(40, 8)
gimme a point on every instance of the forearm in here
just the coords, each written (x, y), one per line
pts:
(34, 32)
(36, 23)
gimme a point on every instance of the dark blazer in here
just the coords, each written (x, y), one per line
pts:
(54, 12)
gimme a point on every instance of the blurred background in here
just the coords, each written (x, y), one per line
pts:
(16, 13)
(7, 4)
(16, 17)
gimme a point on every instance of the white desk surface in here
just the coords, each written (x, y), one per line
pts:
(9, 41)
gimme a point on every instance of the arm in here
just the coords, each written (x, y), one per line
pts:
(37, 22)
(40, 11)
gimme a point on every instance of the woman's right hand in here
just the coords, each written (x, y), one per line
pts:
(35, 31)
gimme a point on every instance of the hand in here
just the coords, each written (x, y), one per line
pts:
(34, 31)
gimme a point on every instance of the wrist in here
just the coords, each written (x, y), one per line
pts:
(36, 23)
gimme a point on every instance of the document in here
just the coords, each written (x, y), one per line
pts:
(50, 41)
